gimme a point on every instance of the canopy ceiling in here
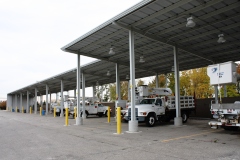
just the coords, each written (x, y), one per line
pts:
(158, 25)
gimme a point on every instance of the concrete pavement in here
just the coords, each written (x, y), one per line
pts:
(27, 137)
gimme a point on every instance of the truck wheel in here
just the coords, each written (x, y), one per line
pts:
(106, 114)
(86, 113)
(184, 117)
(150, 120)
(100, 114)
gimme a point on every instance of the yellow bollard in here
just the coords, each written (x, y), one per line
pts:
(108, 114)
(66, 116)
(30, 110)
(40, 111)
(119, 120)
(75, 112)
(54, 112)
(22, 109)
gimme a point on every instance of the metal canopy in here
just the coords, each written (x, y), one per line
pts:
(158, 24)
(94, 71)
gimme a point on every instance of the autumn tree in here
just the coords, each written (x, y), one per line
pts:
(191, 81)
(185, 83)
(161, 81)
(3, 104)
(171, 84)
(140, 83)
(124, 91)
(231, 90)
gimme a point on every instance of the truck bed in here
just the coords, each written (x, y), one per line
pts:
(226, 106)
(185, 102)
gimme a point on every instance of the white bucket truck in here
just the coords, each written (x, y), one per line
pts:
(227, 115)
(158, 105)
(92, 107)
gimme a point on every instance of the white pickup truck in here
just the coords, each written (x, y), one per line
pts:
(151, 110)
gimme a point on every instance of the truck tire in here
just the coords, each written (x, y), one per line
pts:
(86, 112)
(100, 114)
(106, 113)
(184, 117)
(150, 120)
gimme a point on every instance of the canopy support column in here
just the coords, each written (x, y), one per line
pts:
(157, 80)
(79, 120)
(178, 118)
(62, 85)
(46, 99)
(35, 105)
(27, 109)
(118, 91)
(133, 123)
(83, 96)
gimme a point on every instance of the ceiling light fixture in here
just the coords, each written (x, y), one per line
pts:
(108, 73)
(190, 22)
(221, 38)
(141, 59)
(111, 51)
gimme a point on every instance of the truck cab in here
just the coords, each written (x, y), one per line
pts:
(149, 110)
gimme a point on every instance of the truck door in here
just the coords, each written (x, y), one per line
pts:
(159, 109)
(100, 108)
(93, 109)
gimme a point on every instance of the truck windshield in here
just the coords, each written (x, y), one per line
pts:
(147, 101)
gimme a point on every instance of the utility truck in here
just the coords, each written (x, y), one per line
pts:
(158, 105)
(226, 115)
(97, 109)
(92, 107)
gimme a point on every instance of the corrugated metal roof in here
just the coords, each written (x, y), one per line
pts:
(158, 25)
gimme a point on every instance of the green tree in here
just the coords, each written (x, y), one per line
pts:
(231, 91)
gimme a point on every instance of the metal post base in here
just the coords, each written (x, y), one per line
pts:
(84, 116)
(132, 126)
(178, 121)
(61, 115)
(79, 121)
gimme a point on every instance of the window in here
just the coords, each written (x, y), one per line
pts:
(147, 101)
(159, 101)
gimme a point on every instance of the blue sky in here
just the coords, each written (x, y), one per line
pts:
(32, 33)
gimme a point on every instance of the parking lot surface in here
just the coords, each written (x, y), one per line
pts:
(31, 136)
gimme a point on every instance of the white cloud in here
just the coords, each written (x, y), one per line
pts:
(32, 33)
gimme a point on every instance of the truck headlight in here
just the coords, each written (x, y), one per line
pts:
(144, 113)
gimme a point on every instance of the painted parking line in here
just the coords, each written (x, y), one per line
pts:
(189, 136)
